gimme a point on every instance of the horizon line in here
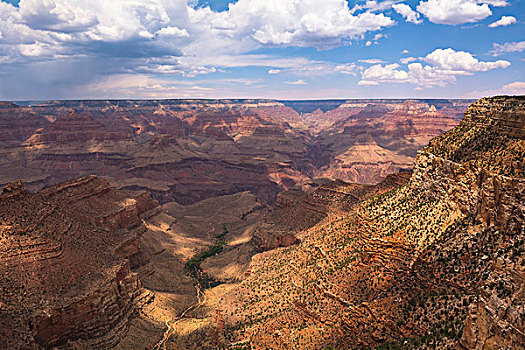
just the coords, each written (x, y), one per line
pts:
(250, 98)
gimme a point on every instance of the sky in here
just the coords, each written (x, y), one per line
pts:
(279, 49)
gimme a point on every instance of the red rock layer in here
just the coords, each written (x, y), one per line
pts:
(295, 211)
(18, 123)
(73, 128)
(216, 147)
(66, 253)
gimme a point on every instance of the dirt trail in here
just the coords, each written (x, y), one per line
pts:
(170, 323)
(201, 297)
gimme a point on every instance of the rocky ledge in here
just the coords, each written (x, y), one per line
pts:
(479, 168)
(66, 254)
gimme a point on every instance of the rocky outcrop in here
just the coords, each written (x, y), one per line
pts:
(371, 139)
(296, 211)
(490, 191)
(490, 137)
(434, 264)
(497, 321)
(494, 199)
(18, 123)
(192, 180)
(13, 189)
(72, 128)
(366, 162)
(462, 167)
(67, 253)
(97, 319)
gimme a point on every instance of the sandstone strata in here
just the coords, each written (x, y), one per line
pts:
(190, 150)
(67, 253)
(296, 211)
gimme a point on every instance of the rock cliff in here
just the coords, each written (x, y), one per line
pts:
(370, 139)
(18, 123)
(479, 166)
(435, 263)
(296, 211)
(67, 253)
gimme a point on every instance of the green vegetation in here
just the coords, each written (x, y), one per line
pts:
(194, 264)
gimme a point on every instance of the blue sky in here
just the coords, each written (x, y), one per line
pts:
(283, 49)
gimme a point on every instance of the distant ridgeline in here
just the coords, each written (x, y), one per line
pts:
(189, 150)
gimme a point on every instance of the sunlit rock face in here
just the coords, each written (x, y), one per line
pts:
(435, 263)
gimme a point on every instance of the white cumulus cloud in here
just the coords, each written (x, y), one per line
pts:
(508, 47)
(374, 6)
(407, 60)
(454, 11)
(461, 61)
(443, 65)
(173, 31)
(503, 21)
(407, 12)
(290, 22)
(415, 74)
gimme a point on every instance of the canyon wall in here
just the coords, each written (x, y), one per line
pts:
(435, 263)
(66, 254)
(190, 150)
(479, 166)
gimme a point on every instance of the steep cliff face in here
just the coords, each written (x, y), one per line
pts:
(436, 263)
(489, 137)
(479, 166)
(67, 253)
(73, 128)
(18, 123)
(370, 139)
(365, 162)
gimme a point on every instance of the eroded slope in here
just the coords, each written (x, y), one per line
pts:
(436, 263)
(67, 254)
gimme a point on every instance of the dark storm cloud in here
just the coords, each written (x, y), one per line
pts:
(132, 48)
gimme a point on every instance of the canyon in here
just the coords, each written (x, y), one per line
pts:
(262, 224)
(185, 151)
(435, 263)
